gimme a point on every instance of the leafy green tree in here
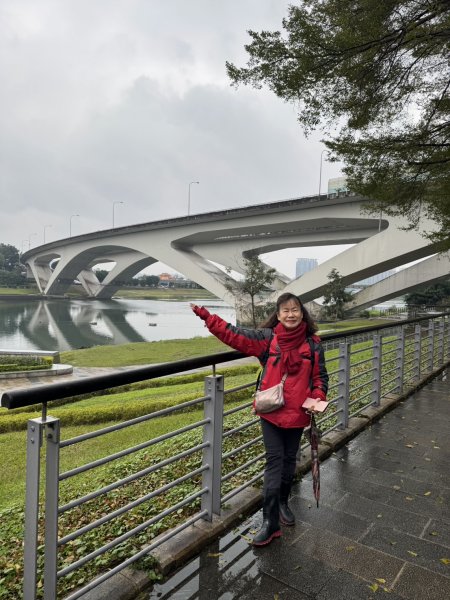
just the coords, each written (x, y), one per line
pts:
(375, 77)
(256, 281)
(148, 280)
(335, 296)
(9, 257)
(437, 294)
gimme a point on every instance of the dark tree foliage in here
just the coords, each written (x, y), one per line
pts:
(375, 77)
(437, 294)
(101, 274)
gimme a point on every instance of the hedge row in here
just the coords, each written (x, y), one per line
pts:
(30, 362)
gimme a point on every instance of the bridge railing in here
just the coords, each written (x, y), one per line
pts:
(112, 511)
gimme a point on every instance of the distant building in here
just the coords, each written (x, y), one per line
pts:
(303, 265)
(336, 186)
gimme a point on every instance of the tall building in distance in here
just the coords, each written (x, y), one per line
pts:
(303, 265)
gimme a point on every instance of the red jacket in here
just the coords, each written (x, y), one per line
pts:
(263, 344)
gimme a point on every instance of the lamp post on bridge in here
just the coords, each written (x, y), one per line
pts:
(113, 207)
(320, 171)
(29, 239)
(46, 227)
(70, 224)
(189, 196)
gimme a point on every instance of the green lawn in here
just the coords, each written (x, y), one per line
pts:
(18, 291)
(143, 353)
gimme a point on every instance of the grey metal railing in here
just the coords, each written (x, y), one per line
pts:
(211, 459)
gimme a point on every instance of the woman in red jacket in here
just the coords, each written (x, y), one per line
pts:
(284, 345)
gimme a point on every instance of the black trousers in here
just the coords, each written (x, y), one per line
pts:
(281, 454)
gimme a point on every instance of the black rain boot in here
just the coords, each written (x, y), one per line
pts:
(287, 517)
(270, 527)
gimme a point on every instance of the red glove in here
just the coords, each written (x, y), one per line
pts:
(201, 312)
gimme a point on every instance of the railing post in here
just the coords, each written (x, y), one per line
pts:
(418, 349)
(448, 337)
(430, 346)
(441, 338)
(34, 443)
(376, 365)
(401, 344)
(212, 454)
(52, 434)
(343, 385)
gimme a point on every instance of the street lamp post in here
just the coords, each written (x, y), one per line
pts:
(70, 224)
(320, 171)
(46, 227)
(113, 207)
(189, 196)
(29, 239)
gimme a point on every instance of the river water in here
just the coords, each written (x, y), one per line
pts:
(70, 324)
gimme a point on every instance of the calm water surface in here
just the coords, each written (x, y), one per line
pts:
(69, 324)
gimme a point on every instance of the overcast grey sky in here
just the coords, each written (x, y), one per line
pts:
(128, 100)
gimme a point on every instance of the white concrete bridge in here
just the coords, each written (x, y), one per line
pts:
(202, 246)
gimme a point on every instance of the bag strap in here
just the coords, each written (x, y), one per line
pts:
(313, 358)
(264, 359)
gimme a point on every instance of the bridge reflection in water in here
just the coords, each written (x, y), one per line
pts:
(70, 324)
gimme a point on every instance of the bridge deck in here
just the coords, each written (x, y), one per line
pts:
(382, 530)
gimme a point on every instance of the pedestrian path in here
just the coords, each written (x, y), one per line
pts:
(382, 529)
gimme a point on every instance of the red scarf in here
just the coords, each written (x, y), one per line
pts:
(289, 341)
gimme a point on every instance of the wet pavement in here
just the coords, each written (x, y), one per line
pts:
(382, 529)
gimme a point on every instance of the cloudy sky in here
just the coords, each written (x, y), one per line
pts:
(107, 101)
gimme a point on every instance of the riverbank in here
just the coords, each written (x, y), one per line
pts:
(76, 293)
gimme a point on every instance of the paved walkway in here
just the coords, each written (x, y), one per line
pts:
(382, 530)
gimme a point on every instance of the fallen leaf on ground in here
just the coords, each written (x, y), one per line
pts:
(434, 533)
(381, 580)
(397, 487)
(349, 548)
(374, 587)
(411, 552)
(445, 561)
(427, 494)
(214, 554)
(408, 498)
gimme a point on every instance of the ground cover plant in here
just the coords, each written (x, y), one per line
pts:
(30, 362)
